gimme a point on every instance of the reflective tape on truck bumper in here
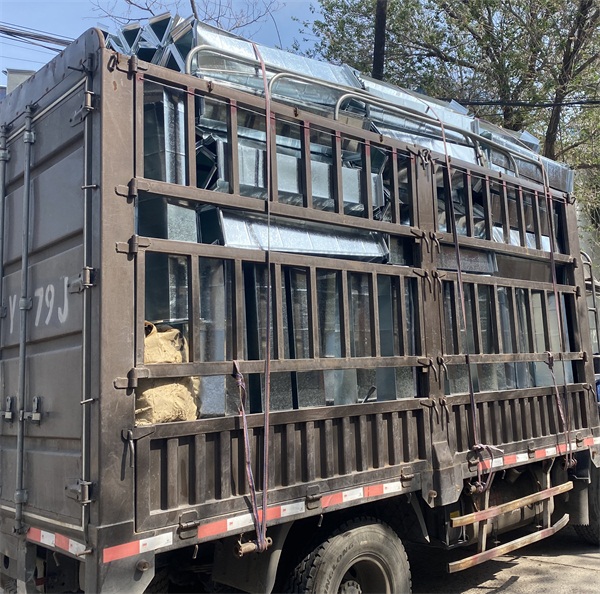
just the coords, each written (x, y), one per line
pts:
(56, 541)
(296, 509)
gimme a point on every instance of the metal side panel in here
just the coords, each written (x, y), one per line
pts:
(55, 311)
(525, 417)
(53, 446)
(198, 467)
(54, 338)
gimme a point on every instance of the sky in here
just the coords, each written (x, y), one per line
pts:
(71, 18)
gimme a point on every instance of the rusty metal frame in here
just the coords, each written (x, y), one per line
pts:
(508, 547)
(499, 411)
(498, 510)
(311, 264)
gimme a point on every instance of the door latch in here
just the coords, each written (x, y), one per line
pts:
(7, 413)
(35, 415)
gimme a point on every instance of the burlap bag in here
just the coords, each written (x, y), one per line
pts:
(167, 399)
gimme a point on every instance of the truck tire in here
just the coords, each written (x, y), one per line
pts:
(363, 555)
(591, 532)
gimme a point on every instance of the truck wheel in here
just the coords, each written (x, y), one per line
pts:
(591, 532)
(362, 556)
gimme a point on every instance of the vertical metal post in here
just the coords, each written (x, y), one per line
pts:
(24, 307)
(4, 158)
(89, 187)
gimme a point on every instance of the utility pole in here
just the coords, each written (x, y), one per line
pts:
(379, 41)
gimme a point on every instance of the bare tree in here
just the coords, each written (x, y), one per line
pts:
(577, 57)
(517, 62)
(225, 14)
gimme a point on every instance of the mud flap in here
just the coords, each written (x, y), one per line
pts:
(26, 553)
(443, 485)
(131, 575)
(254, 572)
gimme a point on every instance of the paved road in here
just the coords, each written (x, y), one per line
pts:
(561, 564)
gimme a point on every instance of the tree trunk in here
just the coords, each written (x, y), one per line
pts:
(552, 129)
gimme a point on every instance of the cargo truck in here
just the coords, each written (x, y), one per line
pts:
(265, 320)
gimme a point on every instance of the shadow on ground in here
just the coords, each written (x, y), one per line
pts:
(533, 566)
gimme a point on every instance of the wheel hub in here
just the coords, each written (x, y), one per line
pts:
(350, 587)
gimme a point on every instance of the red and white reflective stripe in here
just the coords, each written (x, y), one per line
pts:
(137, 547)
(237, 523)
(496, 462)
(546, 452)
(350, 495)
(244, 521)
(510, 459)
(55, 541)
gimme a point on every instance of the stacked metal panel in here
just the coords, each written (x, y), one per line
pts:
(318, 86)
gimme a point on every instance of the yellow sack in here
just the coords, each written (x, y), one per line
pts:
(166, 399)
(164, 344)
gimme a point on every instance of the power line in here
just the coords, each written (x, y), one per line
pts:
(19, 33)
(39, 51)
(28, 29)
(29, 42)
(528, 103)
(24, 60)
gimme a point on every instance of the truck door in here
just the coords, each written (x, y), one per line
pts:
(43, 336)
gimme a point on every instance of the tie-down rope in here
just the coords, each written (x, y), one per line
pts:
(259, 516)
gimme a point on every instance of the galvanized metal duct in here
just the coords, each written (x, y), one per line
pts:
(317, 86)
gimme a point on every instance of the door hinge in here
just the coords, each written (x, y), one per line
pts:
(132, 246)
(313, 497)
(80, 490)
(131, 381)
(132, 189)
(84, 280)
(407, 474)
(134, 65)
(188, 522)
(89, 104)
